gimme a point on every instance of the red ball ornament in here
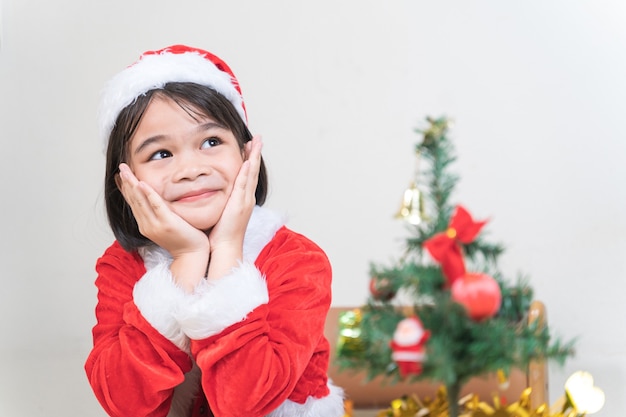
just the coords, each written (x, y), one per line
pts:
(479, 293)
(381, 289)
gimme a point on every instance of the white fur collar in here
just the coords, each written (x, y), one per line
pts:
(262, 227)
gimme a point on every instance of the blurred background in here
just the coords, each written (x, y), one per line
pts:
(536, 89)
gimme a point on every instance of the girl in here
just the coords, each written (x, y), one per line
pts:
(207, 303)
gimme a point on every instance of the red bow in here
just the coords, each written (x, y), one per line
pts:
(445, 248)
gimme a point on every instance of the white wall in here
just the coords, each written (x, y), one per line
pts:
(537, 90)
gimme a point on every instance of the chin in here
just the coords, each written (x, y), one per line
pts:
(203, 225)
(199, 218)
(201, 222)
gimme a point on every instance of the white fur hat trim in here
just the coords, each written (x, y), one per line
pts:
(177, 63)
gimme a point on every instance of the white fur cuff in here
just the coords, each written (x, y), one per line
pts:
(329, 406)
(223, 302)
(158, 299)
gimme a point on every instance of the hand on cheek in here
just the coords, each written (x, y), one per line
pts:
(227, 236)
(188, 246)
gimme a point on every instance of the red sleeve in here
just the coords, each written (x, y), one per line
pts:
(132, 368)
(253, 366)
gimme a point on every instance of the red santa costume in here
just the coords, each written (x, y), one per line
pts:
(249, 344)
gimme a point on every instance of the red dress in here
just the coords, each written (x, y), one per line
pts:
(249, 344)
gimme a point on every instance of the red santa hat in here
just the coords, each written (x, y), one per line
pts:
(154, 69)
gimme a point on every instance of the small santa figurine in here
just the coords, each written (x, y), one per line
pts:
(409, 345)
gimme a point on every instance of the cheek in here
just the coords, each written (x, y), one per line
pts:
(233, 169)
(152, 179)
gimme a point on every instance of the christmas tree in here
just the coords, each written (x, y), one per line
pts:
(444, 311)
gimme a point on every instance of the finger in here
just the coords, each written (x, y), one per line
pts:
(156, 202)
(126, 174)
(136, 195)
(254, 158)
(129, 185)
(126, 181)
(118, 181)
(254, 147)
(241, 182)
(247, 177)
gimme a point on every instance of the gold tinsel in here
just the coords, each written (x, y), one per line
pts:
(349, 341)
(470, 406)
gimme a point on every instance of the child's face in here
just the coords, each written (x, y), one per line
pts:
(192, 164)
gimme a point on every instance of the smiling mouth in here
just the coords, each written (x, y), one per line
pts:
(195, 196)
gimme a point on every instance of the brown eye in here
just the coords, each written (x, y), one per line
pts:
(162, 154)
(210, 142)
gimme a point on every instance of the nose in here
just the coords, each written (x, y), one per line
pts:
(190, 166)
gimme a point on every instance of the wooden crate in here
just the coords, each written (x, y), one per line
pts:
(377, 394)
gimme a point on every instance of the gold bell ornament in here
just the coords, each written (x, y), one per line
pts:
(412, 208)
